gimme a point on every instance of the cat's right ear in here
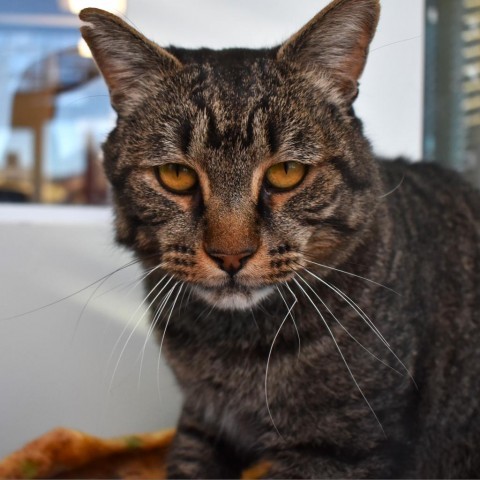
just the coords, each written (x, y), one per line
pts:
(129, 62)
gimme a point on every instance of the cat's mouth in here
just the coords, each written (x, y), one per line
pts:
(233, 296)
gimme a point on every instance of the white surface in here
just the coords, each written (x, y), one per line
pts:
(57, 369)
(18, 214)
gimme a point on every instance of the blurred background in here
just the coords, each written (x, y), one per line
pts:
(80, 365)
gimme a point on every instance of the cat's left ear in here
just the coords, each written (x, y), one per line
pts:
(129, 62)
(335, 42)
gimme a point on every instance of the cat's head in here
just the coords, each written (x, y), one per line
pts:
(238, 166)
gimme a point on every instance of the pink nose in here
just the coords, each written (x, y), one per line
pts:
(230, 263)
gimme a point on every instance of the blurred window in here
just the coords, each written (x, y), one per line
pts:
(452, 85)
(55, 108)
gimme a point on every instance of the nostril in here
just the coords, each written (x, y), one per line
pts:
(234, 262)
(230, 262)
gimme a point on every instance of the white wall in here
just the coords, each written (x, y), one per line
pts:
(62, 367)
(55, 370)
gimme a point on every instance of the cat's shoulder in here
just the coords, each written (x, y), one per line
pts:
(418, 169)
(426, 174)
(431, 182)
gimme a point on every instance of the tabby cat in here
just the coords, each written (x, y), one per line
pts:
(320, 308)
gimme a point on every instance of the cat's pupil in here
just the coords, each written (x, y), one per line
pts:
(176, 177)
(285, 175)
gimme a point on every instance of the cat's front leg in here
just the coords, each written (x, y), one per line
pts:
(197, 453)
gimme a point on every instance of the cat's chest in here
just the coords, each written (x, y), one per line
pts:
(232, 424)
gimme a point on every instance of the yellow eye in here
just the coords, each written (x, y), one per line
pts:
(285, 175)
(177, 178)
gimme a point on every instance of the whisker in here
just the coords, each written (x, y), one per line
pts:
(359, 311)
(91, 296)
(130, 285)
(346, 331)
(190, 293)
(212, 308)
(102, 279)
(296, 301)
(341, 355)
(127, 324)
(393, 189)
(153, 324)
(163, 338)
(291, 316)
(354, 275)
(268, 364)
(261, 308)
(366, 319)
(254, 319)
(208, 308)
(85, 305)
(136, 326)
(182, 299)
(396, 43)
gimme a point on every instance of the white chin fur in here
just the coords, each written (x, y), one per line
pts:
(233, 301)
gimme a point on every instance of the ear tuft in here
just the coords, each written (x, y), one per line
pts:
(129, 62)
(335, 41)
